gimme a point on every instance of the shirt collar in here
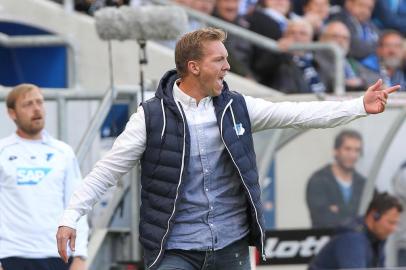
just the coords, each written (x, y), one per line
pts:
(186, 100)
(44, 138)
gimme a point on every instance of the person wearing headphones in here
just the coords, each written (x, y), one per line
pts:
(361, 244)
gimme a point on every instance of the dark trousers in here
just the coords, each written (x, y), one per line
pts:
(234, 256)
(15, 263)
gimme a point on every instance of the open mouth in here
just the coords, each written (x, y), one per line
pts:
(221, 79)
(36, 118)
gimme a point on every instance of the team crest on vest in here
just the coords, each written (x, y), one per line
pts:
(239, 129)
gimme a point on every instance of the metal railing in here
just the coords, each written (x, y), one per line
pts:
(44, 41)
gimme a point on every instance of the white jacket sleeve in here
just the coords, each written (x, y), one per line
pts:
(126, 151)
(73, 179)
(316, 114)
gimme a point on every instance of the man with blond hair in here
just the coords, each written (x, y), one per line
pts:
(37, 176)
(200, 196)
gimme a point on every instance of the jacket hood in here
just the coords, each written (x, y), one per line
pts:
(165, 87)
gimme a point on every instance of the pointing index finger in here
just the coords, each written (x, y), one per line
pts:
(392, 89)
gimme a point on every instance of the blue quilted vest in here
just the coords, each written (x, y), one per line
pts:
(167, 155)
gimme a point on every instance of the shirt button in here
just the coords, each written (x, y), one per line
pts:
(211, 207)
(206, 170)
(206, 189)
(211, 225)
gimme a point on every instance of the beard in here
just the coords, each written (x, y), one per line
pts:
(30, 128)
(344, 50)
(392, 62)
(345, 167)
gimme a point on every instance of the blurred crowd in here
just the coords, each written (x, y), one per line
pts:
(369, 34)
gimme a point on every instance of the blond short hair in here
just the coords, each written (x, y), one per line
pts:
(190, 46)
(18, 91)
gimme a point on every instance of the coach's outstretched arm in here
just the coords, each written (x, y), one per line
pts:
(316, 114)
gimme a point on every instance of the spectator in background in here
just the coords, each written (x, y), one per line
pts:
(296, 72)
(187, 3)
(37, 177)
(85, 6)
(271, 18)
(247, 7)
(364, 34)
(334, 192)
(389, 60)
(399, 189)
(239, 50)
(316, 12)
(204, 6)
(360, 245)
(91, 6)
(298, 5)
(339, 3)
(356, 75)
(389, 14)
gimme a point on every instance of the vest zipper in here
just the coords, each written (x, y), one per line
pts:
(242, 179)
(177, 189)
